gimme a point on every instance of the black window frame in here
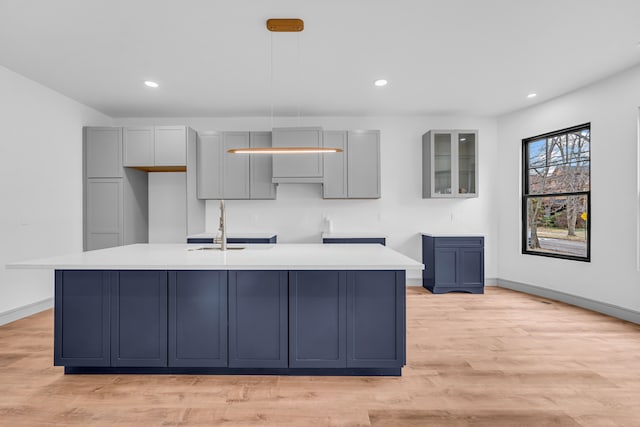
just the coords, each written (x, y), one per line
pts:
(526, 196)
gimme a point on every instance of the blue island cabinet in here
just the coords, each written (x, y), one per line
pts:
(82, 330)
(197, 318)
(347, 319)
(294, 322)
(139, 319)
(258, 319)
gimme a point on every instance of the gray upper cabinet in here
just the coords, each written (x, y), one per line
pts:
(235, 167)
(155, 146)
(355, 173)
(363, 164)
(450, 164)
(335, 166)
(103, 152)
(297, 168)
(209, 165)
(170, 146)
(261, 168)
(221, 175)
(139, 146)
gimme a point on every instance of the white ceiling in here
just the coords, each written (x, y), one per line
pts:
(212, 57)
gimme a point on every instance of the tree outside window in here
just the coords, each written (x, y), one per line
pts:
(556, 194)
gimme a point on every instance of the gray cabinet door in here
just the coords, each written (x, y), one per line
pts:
(261, 168)
(139, 319)
(258, 311)
(209, 160)
(317, 319)
(235, 181)
(104, 213)
(363, 164)
(139, 146)
(170, 146)
(103, 152)
(197, 318)
(297, 168)
(335, 166)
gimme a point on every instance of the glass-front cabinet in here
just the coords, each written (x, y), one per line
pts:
(450, 164)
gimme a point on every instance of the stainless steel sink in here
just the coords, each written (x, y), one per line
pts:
(216, 248)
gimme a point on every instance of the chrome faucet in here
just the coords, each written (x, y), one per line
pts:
(223, 227)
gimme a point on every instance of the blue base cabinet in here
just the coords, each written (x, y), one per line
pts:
(318, 319)
(82, 330)
(197, 318)
(352, 319)
(453, 264)
(258, 319)
(379, 240)
(139, 319)
(295, 322)
(244, 240)
(376, 319)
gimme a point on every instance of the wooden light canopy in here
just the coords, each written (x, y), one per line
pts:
(285, 25)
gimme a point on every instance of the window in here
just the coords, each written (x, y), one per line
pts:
(556, 194)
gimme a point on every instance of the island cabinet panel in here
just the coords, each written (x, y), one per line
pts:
(82, 318)
(317, 319)
(375, 319)
(197, 318)
(139, 319)
(258, 319)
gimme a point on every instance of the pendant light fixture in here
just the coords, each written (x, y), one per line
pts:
(287, 25)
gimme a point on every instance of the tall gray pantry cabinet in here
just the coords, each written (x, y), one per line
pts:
(116, 207)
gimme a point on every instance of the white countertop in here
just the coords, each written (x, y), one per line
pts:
(258, 235)
(253, 257)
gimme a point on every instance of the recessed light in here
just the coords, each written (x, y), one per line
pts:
(532, 95)
(380, 82)
(149, 83)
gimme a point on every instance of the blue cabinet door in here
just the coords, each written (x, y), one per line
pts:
(317, 319)
(471, 270)
(139, 319)
(81, 336)
(197, 318)
(375, 319)
(258, 319)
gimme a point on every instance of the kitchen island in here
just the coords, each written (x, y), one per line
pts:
(287, 309)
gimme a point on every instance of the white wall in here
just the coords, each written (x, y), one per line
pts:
(401, 213)
(167, 215)
(40, 183)
(611, 106)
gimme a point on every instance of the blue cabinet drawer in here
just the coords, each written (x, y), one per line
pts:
(458, 242)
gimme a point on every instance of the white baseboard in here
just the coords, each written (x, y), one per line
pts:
(589, 304)
(414, 281)
(24, 311)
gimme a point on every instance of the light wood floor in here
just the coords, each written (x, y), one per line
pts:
(499, 359)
